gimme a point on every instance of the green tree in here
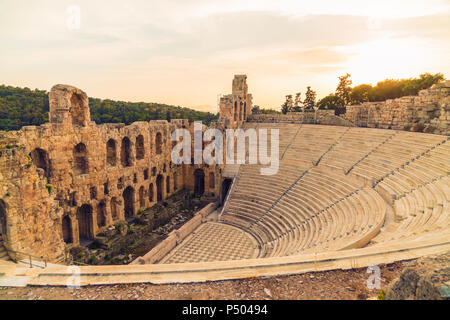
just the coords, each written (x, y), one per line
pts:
(361, 93)
(297, 103)
(256, 109)
(425, 81)
(310, 99)
(343, 89)
(285, 107)
(332, 102)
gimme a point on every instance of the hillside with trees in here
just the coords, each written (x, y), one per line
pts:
(382, 91)
(345, 94)
(22, 107)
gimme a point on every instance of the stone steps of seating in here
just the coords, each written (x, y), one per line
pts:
(327, 210)
(3, 252)
(421, 211)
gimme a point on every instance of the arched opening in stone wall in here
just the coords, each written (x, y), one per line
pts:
(151, 193)
(240, 110)
(212, 182)
(168, 184)
(111, 153)
(199, 182)
(175, 181)
(140, 149)
(125, 152)
(158, 142)
(141, 197)
(81, 159)
(84, 217)
(67, 229)
(245, 110)
(41, 160)
(226, 184)
(114, 209)
(128, 200)
(3, 224)
(101, 214)
(235, 111)
(76, 110)
(159, 187)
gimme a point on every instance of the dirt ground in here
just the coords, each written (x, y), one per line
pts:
(336, 284)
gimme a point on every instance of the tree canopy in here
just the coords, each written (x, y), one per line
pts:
(393, 88)
(258, 110)
(386, 89)
(22, 107)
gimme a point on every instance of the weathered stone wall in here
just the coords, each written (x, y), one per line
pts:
(69, 179)
(428, 112)
(325, 117)
(32, 214)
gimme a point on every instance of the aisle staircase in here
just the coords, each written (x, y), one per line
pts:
(3, 253)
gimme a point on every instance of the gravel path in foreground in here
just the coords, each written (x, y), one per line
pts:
(336, 284)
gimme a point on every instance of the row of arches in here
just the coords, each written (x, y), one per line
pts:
(241, 114)
(84, 213)
(40, 157)
(125, 150)
(199, 182)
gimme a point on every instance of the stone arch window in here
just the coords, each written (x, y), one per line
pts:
(159, 187)
(84, 217)
(3, 224)
(125, 152)
(101, 214)
(80, 156)
(114, 209)
(77, 110)
(158, 142)
(128, 200)
(67, 229)
(111, 153)
(199, 182)
(140, 148)
(93, 192)
(41, 160)
(212, 182)
(175, 181)
(167, 184)
(141, 197)
(235, 111)
(151, 193)
(240, 110)
(245, 110)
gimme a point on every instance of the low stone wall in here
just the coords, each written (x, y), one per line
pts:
(176, 237)
(325, 117)
(428, 112)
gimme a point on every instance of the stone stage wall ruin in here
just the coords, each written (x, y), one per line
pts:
(65, 181)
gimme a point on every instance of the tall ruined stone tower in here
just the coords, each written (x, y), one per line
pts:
(69, 106)
(236, 107)
(240, 85)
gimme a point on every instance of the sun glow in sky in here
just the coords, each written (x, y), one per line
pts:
(185, 52)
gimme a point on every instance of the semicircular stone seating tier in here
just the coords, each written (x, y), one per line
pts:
(336, 188)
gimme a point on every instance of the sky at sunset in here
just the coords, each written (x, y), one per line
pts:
(185, 52)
